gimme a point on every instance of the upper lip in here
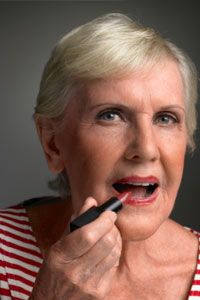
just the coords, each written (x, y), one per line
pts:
(138, 180)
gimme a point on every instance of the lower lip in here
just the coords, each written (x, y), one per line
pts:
(130, 200)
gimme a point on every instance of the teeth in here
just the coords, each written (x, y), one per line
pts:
(141, 183)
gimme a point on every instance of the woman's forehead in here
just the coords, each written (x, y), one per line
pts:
(160, 81)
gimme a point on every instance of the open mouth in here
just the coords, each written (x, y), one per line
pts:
(139, 190)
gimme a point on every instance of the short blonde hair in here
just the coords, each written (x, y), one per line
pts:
(110, 46)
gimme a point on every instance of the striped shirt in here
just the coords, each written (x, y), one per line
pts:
(20, 257)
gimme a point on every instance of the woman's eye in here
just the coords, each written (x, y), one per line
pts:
(166, 119)
(109, 116)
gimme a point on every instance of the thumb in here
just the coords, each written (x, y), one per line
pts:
(89, 202)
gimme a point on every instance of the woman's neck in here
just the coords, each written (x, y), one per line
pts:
(170, 246)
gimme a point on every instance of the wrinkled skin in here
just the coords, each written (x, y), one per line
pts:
(114, 129)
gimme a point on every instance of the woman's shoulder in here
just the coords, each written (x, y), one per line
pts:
(194, 231)
(188, 250)
(181, 233)
(194, 292)
(13, 210)
(12, 220)
(15, 230)
(48, 220)
(181, 246)
(20, 257)
(15, 223)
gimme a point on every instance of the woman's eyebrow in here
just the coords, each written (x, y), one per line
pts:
(120, 105)
(168, 107)
(111, 104)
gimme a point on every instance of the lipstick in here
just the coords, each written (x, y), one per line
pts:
(114, 204)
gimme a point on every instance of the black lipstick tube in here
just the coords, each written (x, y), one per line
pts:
(113, 204)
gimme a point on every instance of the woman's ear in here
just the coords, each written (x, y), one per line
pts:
(46, 131)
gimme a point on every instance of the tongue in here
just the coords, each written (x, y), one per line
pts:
(138, 192)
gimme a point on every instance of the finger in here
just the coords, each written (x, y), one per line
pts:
(83, 239)
(100, 250)
(89, 202)
(68, 229)
(106, 259)
(109, 261)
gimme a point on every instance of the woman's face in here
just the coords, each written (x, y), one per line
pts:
(130, 131)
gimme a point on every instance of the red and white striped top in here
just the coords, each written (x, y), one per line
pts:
(20, 257)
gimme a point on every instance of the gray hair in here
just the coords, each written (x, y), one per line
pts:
(109, 46)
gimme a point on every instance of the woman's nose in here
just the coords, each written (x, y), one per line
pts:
(142, 144)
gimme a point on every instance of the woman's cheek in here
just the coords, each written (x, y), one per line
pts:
(92, 147)
(172, 160)
(101, 138)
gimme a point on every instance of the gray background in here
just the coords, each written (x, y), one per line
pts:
(28, 31)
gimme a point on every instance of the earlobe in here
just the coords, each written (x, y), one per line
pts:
(46, 132)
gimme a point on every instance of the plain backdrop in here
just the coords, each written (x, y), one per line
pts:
(28, 32)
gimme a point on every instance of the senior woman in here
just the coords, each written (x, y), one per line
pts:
(115, 114)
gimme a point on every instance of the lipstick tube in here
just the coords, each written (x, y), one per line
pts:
(114, 204)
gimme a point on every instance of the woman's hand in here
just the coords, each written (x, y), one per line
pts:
(81, 265)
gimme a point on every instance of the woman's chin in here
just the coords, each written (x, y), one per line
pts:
(138, 228)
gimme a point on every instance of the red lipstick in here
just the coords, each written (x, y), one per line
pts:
(139, 179)
(134, 201)
(142, 190)
(114, 204)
